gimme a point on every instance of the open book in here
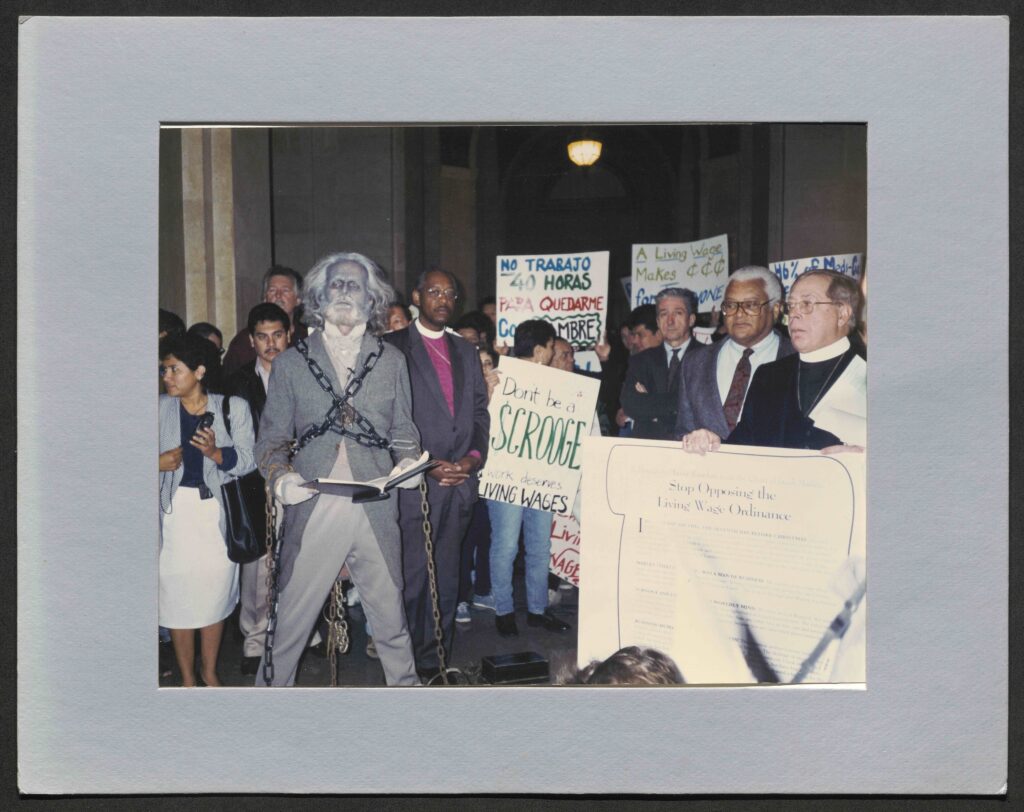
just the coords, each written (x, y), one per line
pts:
(372, 490)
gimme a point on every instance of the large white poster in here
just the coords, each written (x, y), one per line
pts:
(789, 269)
(702, 266)
(728, 562)
(539, 417)
(568, 290)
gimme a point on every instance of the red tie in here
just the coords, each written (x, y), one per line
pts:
(734, 402)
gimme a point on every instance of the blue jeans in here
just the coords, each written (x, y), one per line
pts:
(506, 521)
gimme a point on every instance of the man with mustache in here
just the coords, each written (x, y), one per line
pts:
(713, 383)
(449, 407)
(344, 394)
(789, 401)
(269, 331)
(282, 286)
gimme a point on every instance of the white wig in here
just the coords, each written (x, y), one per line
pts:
(379, 293)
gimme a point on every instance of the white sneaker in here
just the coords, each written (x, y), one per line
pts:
(483, 602)
(462, 613)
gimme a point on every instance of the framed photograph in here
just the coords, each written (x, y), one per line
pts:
(97, 99)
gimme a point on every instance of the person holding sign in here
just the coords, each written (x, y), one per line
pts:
(714, 383)
(650, 394)
(814, 399)
(345, 394)
(534, 342)
(449, 407)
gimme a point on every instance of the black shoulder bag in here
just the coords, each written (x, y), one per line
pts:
(244, 509)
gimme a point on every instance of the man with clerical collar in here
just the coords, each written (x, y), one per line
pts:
(269, 330)
(341, 402)
(814, 399)
(650, 394)
(713, 384)
(449, 407)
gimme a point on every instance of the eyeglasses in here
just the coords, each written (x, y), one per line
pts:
(750, 308)
(802, 306)
(450, 294)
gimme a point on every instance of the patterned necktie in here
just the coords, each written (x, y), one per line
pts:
(673, 369)
(734, 401)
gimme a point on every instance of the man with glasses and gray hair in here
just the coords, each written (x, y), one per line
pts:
(714, 383)
(817, 397)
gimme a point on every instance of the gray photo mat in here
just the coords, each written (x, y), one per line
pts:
(92, 96)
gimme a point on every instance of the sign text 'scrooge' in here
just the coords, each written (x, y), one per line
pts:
(539, 417)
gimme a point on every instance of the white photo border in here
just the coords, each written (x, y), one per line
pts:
(93, 93)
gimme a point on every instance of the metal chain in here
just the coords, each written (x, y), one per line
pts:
(342, 404)
(432, 581)
(274, 540)
(337, 628)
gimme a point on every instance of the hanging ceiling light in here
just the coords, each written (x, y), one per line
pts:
(584, 152)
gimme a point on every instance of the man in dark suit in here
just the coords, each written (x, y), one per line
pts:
(815, 398)
(714, 382)
(269, 330)
(650, 393)
(449, 407)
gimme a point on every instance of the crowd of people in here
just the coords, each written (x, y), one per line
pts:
(333, 376)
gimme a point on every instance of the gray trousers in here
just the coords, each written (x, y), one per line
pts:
(252, 615)
(338, 533)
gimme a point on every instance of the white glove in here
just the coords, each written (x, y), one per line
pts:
(412, 482)
(288, 488)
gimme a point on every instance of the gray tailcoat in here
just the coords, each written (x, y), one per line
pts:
(296, 402)
(700, 405)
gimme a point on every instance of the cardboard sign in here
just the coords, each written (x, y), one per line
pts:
(539, 417)
(789, 269)
(568, 290)
(565, 547)
(694, 554)
(701, 266)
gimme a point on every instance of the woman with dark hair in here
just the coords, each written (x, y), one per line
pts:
(198, 583)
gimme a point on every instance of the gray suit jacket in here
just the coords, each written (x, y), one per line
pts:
(700, 405)
(240, 437)
(296, 402)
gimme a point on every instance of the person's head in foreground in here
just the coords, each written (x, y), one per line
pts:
(822, 308)
(632, 665)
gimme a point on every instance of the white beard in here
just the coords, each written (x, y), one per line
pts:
(343, 313)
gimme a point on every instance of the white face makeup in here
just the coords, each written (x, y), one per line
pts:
(347, 295)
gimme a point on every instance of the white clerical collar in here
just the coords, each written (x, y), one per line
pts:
(426, 331)
(824, 353)
(760, 345)
(332, 333)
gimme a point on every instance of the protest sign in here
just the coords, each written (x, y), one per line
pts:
(701, 266)
(565, 547)
(539, 417)
(728, 562)
(568, 290)
(789, 269)
(627, 288)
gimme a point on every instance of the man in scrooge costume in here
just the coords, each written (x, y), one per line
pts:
(343, 396)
